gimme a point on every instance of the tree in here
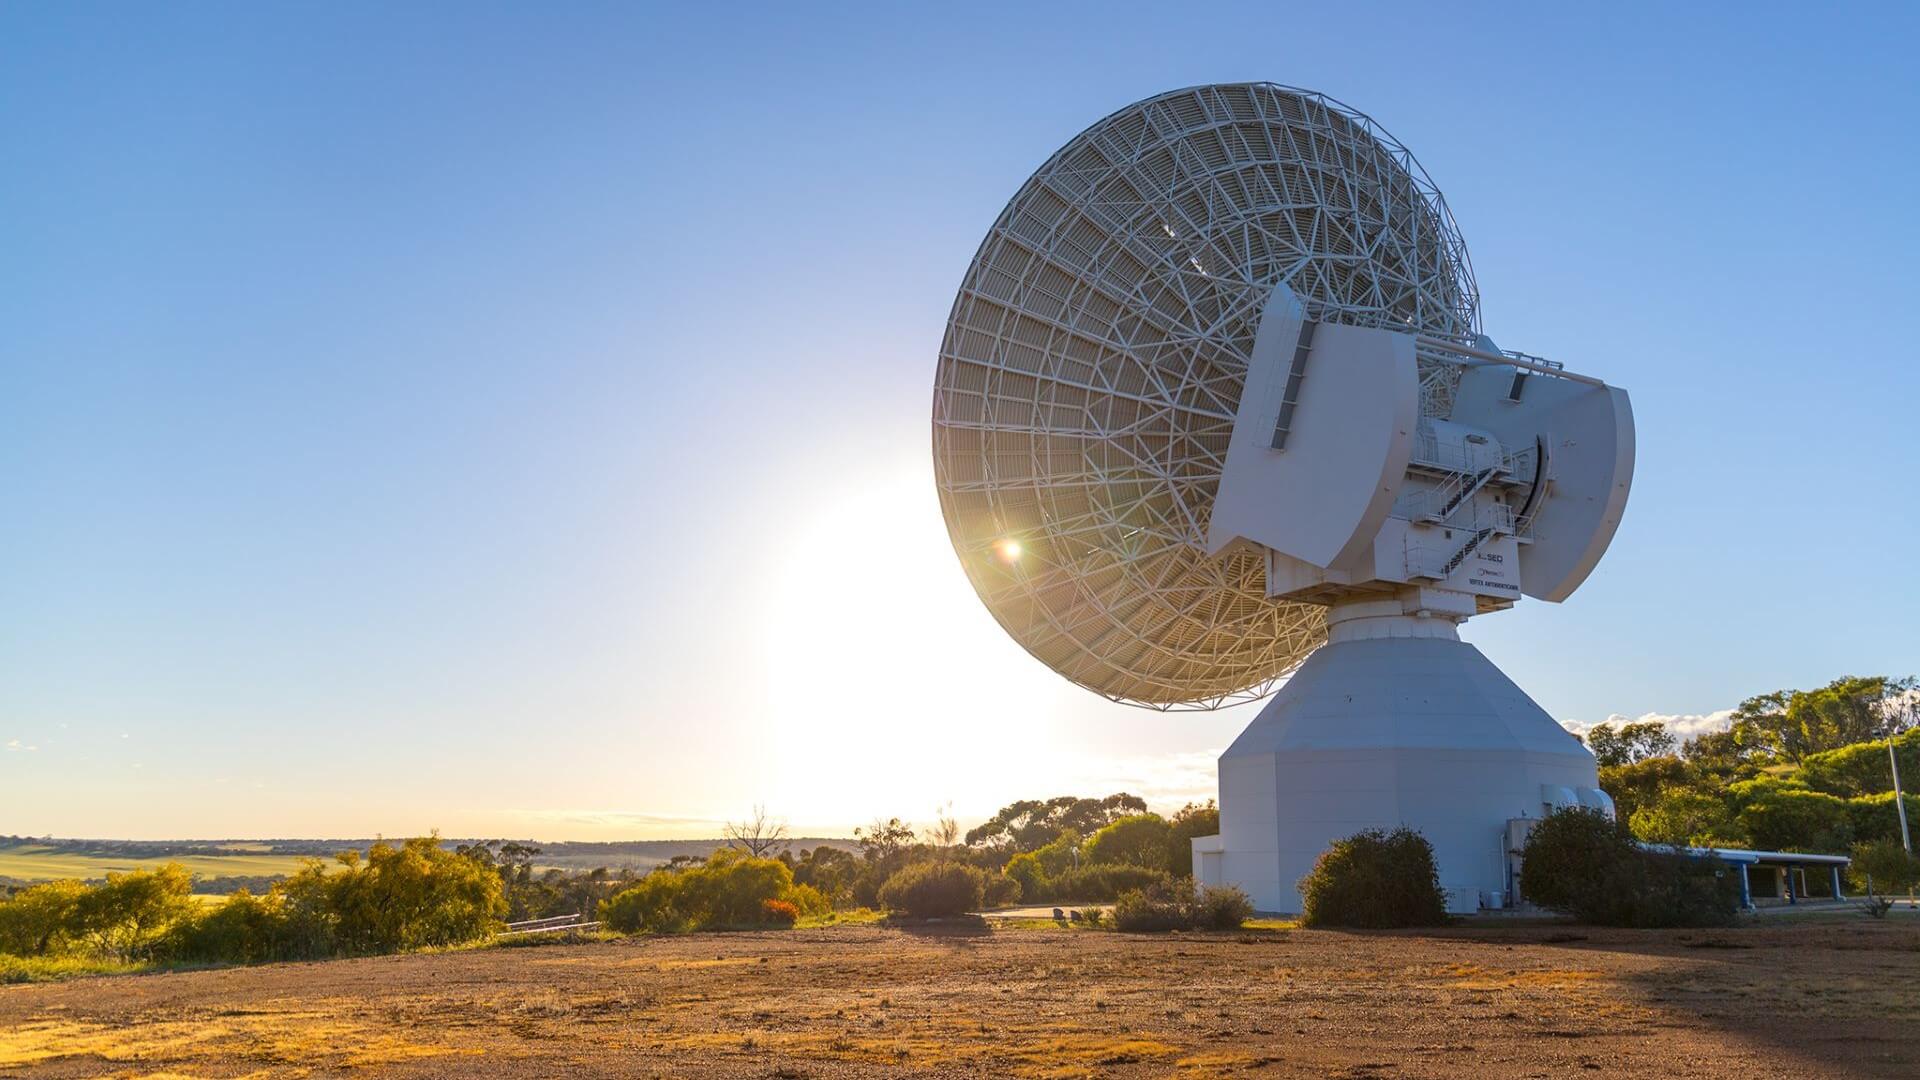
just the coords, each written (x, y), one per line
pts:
(1717, 752)
(1686, 817)
(41, 920)
(412, 895)
(1193, 819)
(1030, 824)
(1887, 865)
(1788, 725)
(828, 869)
(1782, 815)
(1135, 840)
(128, 915)
(1576, 861)
(1630, 743)
(885, 841)
(757, 835)
(945, 831)
(1863, 768)
(1641, 783)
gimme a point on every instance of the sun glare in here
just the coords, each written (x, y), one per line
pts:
(1008, 550)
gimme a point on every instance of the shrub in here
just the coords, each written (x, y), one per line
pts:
(1092, 916)
(1002, 890)
(729, 889)
(130, 916)
(1781, 815)
(1577, 862)
(242, 929)
(808, 901)
(1024, 869)
(411, 896)
(1134, 840)
(1193, 819)
(1101, 883)
(1886, 864)
(934, 889)
(1562, 855)
(1374, 879)
(779, 912)
(1171, 905)
(652, 906)
(1059, 855)
(41, 921)
(1154, 910)
(1220, 907)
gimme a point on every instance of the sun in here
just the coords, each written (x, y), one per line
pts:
(1008, 550)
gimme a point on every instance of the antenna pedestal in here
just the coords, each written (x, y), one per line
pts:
(1394, 722)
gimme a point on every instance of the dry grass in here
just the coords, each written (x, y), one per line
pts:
(864, 1001)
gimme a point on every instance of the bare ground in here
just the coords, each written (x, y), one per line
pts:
(1837, 999)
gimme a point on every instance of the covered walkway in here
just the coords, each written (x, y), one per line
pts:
(1776, 877)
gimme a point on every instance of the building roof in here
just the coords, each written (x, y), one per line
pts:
(1745, 855)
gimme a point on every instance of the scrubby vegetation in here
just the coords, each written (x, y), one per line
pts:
(1797, 770)
(1181, 907)
(412, 895)
(1374, 879)
(728, 890)
(934, 890)
(1579, 862)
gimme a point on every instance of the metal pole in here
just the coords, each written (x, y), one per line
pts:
(1899, 800)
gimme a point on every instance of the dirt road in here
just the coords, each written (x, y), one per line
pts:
(1831, 1000)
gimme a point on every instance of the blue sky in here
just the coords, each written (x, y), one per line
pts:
(513, 420)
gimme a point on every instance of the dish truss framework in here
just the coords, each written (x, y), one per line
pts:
(1097, 351)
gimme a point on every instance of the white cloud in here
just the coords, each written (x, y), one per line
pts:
(1683, 726)
(13, 744)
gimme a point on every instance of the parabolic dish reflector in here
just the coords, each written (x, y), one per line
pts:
(1095, 357)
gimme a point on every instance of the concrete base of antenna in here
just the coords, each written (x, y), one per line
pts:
(1395, 721)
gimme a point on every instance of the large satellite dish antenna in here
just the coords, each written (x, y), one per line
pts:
(1214, 394)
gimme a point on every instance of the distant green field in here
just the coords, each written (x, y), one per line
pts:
(32, 862)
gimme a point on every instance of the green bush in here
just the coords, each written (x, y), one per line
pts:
(808, 901)
(1134, 840)
(934, 890)
(1147, 911)
(416, 895)
(1193, 819)
(1220, 907)
(407, 896)
(1874, 817)
(1888, 865)
(1172, 905)
(1562, 855)
(1786, 815)
(779, 912)
(1577, 862)
(242, 929)
(42, 920)
(729, 889)
(1374, 879)
(1024, 868)
(1002, 890)
(653, 906)
(1059, 855)
(1100, 883)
